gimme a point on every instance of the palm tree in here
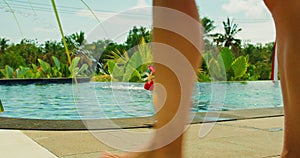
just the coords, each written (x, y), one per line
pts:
(78, 38)
(3, 45)
(228, 38)
(208, 25)
(75, 41)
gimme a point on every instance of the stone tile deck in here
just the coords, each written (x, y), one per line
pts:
(249, 138)
(241, 134)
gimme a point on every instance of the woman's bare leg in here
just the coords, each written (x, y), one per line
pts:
(178, 99)
(286, 14)
(174, 102)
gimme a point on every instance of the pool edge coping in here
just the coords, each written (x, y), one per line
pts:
(138, 122)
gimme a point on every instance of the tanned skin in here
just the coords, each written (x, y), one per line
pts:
(286, 14)
(170, 97)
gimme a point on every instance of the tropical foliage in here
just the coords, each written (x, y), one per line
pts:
(1, 107)
(44, 70)
(225, 66)
(225, 58)
(123, 67)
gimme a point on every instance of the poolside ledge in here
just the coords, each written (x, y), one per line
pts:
(41, 81)
(139, 122)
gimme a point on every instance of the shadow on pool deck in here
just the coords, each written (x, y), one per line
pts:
(140, 122)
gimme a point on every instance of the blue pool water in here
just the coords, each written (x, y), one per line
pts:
(125, 100)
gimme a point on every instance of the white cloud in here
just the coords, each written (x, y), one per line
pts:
(257, 32)
(251, 8)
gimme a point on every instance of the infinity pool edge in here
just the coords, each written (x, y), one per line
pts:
(138, 122)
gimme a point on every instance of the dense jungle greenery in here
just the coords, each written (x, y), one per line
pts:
(106, 60)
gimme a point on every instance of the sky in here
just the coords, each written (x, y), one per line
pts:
(35, 19)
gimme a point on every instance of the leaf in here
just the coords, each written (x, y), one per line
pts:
(134, 62)
(207, 57)
(127, 75)
(83, 68)
(115, 71)
(227, 57)
(118, 57)
(111, 64)
(46, 68)
(215, 70)
(65, 70)
(61, 30)
(9, 71)
(57, 62)
(38, 75)
(34, 68)
(215, 67)
(22, 72)
(239, 66)
(1, 107)
(73, 65)
(135, 76)
(145, 52)
(222, 69)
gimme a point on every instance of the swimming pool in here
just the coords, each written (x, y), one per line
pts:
(125, 100)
